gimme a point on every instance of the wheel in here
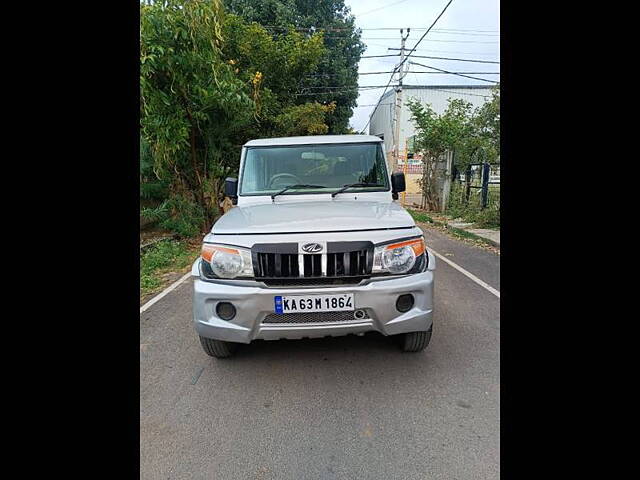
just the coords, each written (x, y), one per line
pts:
(416, 341)
(218, 348)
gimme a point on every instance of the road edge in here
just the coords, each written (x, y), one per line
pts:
(167, 290)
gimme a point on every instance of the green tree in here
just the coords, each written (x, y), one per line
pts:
(307, 119)
(337, 69)
(209, 82)
(273, 67)
(192, 103)
(435, 135)
(152, 190)
(473, 136)
(482, 141)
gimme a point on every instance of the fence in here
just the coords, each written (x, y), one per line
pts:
(475, 194)
(482, 176)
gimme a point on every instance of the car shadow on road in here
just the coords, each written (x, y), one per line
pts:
(351, 354)
(371, 341)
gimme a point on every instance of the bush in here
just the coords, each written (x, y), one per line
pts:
(179, 215)
(152, 190)
(472, 210)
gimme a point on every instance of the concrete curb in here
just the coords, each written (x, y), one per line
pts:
(480, 238)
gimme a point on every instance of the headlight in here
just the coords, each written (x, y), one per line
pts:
(401, 257)
(220, 261)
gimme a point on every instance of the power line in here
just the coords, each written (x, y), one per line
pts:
(399, 67)
(423, 28)
(330, 89)
(443, 51)
(456, 59)
(376, 107)
(379, 8)
(332, 92)
(430, 40)
(453, 73)
(327, 75)
(432, 51)
(330, 34)
(371, 105)
(378, 56)
(466, 93)
(425, 33)
(341, 86)
(346, 32)
(348, 29)
(458, 73)
(462, 30)
(440, 32)
(435, 87)
(446, 51)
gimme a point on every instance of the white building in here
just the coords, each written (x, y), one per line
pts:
(382, 121)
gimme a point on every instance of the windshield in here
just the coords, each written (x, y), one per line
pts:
(322, 168)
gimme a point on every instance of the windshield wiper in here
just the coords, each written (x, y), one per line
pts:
(300, 185)
(345, 187)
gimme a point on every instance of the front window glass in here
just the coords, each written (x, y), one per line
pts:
(328, 167)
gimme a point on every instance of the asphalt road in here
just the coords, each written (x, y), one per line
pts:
(334, 408)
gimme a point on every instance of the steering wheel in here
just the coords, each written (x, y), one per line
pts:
(280, 175)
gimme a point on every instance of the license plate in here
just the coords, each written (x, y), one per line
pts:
(314, 303)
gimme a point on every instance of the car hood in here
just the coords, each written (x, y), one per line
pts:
(321, 216)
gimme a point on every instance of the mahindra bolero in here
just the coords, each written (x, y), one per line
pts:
(315, 246)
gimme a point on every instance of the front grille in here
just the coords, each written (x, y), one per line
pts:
(344, 263)
(312, 317)
(312, 282)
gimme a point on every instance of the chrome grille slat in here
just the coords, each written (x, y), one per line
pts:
(281, 263)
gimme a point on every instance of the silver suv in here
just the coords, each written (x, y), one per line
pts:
(315, 247)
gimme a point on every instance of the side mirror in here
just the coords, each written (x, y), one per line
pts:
(231, 189)
(397, 182)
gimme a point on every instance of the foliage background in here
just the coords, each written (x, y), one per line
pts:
(211, 79)
(473, 136)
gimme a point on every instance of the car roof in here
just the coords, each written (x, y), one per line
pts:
(312, 140)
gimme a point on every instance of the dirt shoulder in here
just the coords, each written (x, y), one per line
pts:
(164, 262)
(439, 222)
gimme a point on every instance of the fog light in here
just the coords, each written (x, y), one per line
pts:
(359, 314)
(404, 302)
(226, 310)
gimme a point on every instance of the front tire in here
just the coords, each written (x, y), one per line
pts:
(416, 341)
(218, 348)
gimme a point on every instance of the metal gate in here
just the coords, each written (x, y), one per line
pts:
(483, 181)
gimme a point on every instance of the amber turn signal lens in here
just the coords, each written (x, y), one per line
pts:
(209, 250)
(417, 246)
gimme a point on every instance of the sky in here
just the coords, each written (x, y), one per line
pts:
(469, 29)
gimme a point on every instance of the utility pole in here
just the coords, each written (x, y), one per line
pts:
(402, 71)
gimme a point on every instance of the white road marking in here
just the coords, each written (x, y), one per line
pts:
(171, 287)
(466, 273)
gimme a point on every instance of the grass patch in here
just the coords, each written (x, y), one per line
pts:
(454, 232)
(419, 216)
(471, 211)
(459, 233)
(165, 256)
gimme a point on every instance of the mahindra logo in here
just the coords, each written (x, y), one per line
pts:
(312, 247)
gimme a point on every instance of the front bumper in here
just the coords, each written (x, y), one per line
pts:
(254, 302)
